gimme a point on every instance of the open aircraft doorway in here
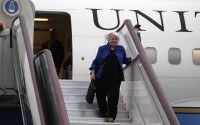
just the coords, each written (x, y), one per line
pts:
(61, 22)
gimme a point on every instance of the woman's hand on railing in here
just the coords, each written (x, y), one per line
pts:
(132, 59)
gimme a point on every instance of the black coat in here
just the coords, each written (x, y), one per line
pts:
(57, 51)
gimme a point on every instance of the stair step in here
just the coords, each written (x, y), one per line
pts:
(81, 90)
(85, 105)
(81, 98)
(100, 123)
(83, 119)
(74, 90)
(103, 121)
(74, 83)
(106, 123)
(93, 113)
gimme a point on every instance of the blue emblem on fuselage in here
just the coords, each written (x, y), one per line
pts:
(11, 7)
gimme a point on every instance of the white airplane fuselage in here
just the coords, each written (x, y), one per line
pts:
(165, 24)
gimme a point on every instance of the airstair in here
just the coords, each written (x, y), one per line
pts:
(45, 100)
(141, 101)
(82, 113)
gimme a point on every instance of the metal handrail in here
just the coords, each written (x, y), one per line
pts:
(151, 75)
(63, 118)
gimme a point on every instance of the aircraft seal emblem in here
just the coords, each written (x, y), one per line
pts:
(11, 7)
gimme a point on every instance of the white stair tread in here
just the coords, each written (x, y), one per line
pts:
(97, 119)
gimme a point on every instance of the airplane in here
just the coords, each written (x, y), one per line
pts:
(169, 35)
(168, 32)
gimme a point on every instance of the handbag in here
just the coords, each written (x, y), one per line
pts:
(91, 92)
(92, 87)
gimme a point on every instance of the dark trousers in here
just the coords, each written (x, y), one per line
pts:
(108, 86)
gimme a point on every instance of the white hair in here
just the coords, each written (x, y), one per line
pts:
(113, 33)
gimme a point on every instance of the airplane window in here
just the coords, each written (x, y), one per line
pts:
(174, 56)
(196, 56)
(151, 54)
